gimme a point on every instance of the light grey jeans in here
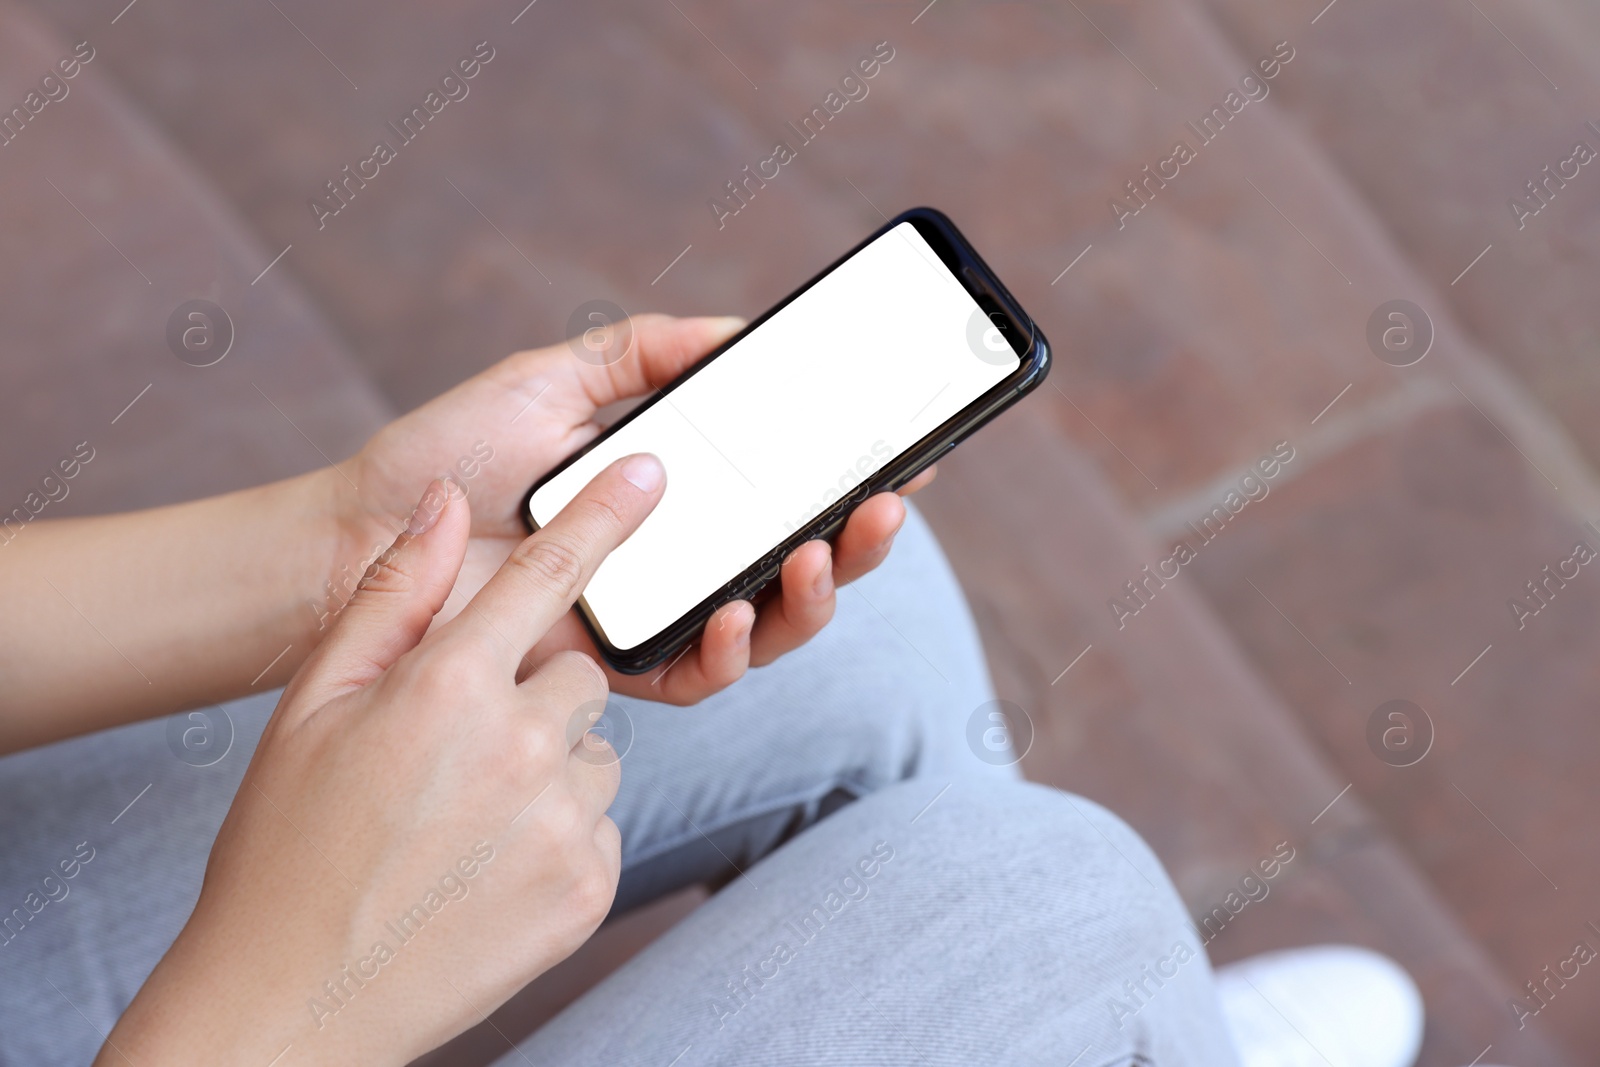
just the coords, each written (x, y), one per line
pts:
(892, 892)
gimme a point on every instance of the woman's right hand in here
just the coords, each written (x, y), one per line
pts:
(422, 830)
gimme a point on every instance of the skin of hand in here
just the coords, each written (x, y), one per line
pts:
(145, 613)
(414, 791)
(534, 409)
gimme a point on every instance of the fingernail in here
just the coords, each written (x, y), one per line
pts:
(728, 325)
(746, 626)
(644, 471)
(428, 510)
(824, 583)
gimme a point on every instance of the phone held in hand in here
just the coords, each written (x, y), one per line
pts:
(852, 385)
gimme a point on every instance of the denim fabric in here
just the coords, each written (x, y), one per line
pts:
(932, 923)
(993, 883)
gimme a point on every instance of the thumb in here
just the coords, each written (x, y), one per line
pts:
(658, 349)
(400, 593)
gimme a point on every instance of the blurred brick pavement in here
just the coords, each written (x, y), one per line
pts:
(1229, 314)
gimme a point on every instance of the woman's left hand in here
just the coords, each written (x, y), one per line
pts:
(497, 433)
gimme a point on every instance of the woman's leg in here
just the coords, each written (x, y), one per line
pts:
(133, 811)
(983, 923)
(886, 691)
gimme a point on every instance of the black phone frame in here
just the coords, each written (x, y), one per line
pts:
(1015, 325)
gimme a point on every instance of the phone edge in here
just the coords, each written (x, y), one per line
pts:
(1033, 367)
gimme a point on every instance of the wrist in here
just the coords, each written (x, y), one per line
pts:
(221, 999)
(320, 542)
(190, 1010)
(357, 531)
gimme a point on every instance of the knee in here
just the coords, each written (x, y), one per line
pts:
(1050, 868)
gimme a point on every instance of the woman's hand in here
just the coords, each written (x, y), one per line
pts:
(419, 834)
(498, 432)
(133, 597)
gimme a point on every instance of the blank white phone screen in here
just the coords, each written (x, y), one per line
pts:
(844, 378)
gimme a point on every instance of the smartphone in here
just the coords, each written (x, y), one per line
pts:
(852, 385)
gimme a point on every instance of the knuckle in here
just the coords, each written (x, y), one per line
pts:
(579, 670)
(592, 889)
(444, 678)
(551, 562)
(611, 772)
(539, 747)
(563, 818)
(608, 841)
(601, 755)
(386, 573)
(603, 511)
(600, 763)
(504, 765)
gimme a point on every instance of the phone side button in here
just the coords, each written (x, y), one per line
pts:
(770, 566)
(919, 468)
(832, 519)
(828, 529)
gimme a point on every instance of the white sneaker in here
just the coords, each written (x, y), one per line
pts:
(1323, 1005)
